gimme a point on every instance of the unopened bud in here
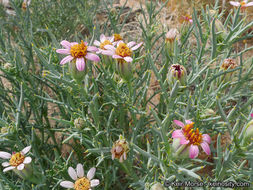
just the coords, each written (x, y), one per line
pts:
(125, 69)
(79, 123)
(180, 150)
(75, 73)
(157, 186)
(177, 72)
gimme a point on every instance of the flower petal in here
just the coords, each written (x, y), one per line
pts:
(128, 59)
(116, 57)
(26, 150)
(66, 44)
(80, 64)
(107, 52)
(5, 155)
(251, 115)
(249, 4)
(110, 47)
(67, 184)
(177, 134)
(79, 170)
(178, 123)
(92, 57)
(72, 173)
(193, 151)
(188, 121)
(92, 48)
(94, 182)
(27, 160)
(63, 51)
(206, 138)
(91, 173)
(183, 140)
(113, 156)
(137, 46)
(96, 43)
(102, 38)
(9, 168)
(66, 59)
(131, 44)
(205, 147)
(237, 4)
(5, 164)
(21, 166)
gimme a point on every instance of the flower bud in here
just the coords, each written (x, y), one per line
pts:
(177, 72)
(179, 150)
(228, 64)
(75, 73)
(157, 186)
(125, 70)
(207, 113)
(120, 149)
(79, 123)
(170, 38)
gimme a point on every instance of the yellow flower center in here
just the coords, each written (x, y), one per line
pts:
(17, 159)
(242, 3)
(123, 51)
(82, 184)
(106, 42)
(194, 137)
(78, 50)
(117, 37)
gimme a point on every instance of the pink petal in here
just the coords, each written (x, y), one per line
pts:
(91, 173)
(177, 134)
(131, 44)
(251, 115)
(193, 151)
(26, 149)
(92, 48)
(184, 141)
(137, 46)
(102, 38)
(188, 121)
(237, 4)
(205, 147)
(67, 184)
(94, 182)
(79, 170)
(206, 138)
(9, 168)
(72, 173)
(178, 123)
(21, 166)
(117, 57)
(5, 155)
(63, 51)
(107, 52)
(92, 57)
(128, 59)
(73, 43)
(27, 160)
(66, 44)
(66, 59)
(249, 4)
(5, 164)
(80, 64)
(110, 47)
(97, 43)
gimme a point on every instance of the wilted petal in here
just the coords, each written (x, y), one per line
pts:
(113, 156)
(125, 156)
(27, 160)
(178, 123)
(234, 3)
(119, 149)
(79, 169)
(91, 173)
(137, 46)
(121, 159)
(96, 43)
(206, 138)
(110, 47)
(21, 166)
(5, 155)
(131, 44)
(67, 184)
(193, 151)
(66, 44)
(92, 57)
(94, 182)
(63, 51)
(92, 48)
(72, 173)
(80, 64)
(128, 59)
(9, 168)
(177, 134)
(66, 59)
(206, 148)
(5, 164)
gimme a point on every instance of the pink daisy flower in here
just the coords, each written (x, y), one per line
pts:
(123, 52)
(192, 138)
(101, 44)
(244, 4)
(80, 53)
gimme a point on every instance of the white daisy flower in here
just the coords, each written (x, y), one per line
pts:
(81, 182)
(16, 160)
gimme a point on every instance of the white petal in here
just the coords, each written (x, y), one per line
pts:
(5, 155)
(26, 149)
(21, 166)
(128, 59)
(91, 173)
(9, 168)
(67, 184)
(97, 43)
(249, 4)
(102, 38)
(79, 169)
(94, 182)
(131, 44)
(72, 173)
(137, 46)
(237, 4)
(5, 164)
(110, 47)
(27, 160)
